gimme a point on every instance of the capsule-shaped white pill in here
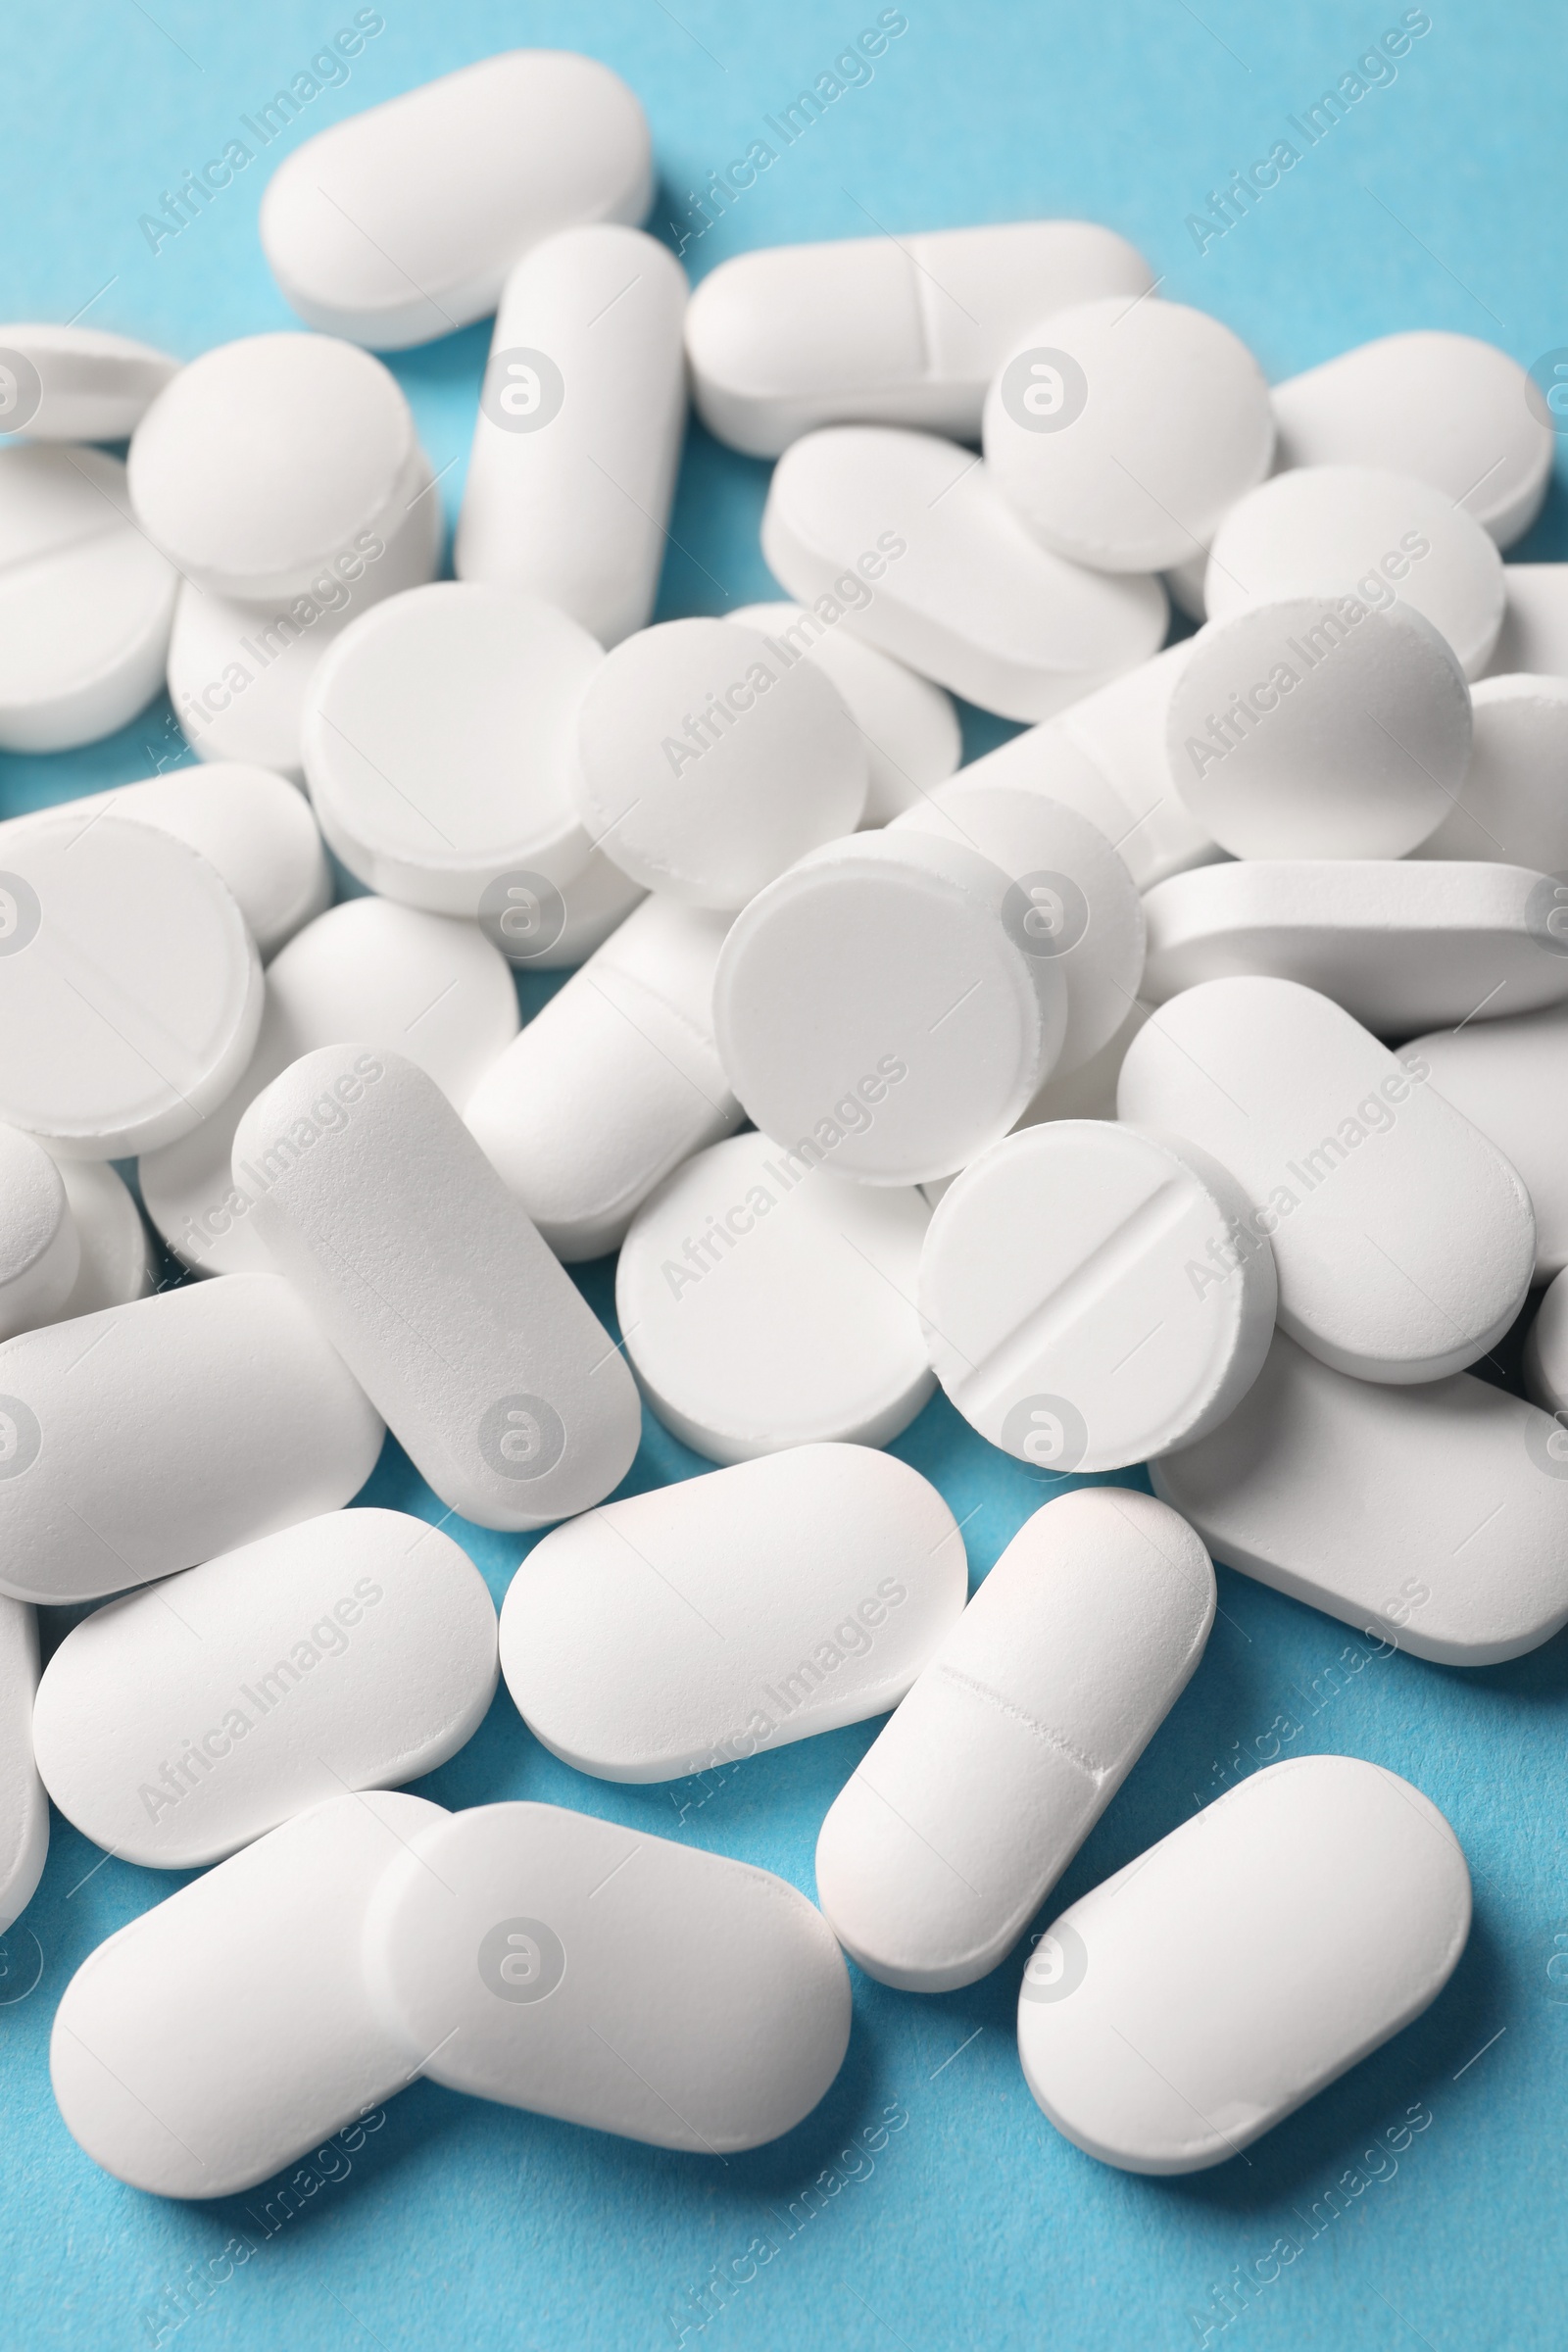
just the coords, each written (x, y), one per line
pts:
(971, 1801)
(681, 1630)
(227, 2031)
(573, 469)
(889, 330)
(496, 1950)
(77, 383)
(1212, 1987)
(1534, 639)
(1514, 802)
(1510, 1079)
(496, 1377)
(40, 1250)
(23, 1804)
(1403, 1240)
(386, 229)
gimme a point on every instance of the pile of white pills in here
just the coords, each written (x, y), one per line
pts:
(1180, 1084)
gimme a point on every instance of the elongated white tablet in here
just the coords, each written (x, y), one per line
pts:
(711, 757)
(961, 590)
(1451, 409)
(1510, 1079)
(1212, 1987)
(767, 1302)
(887, 989)
(438, 741)
(1545, 1368)
(1403, 1240)
(970, 1803)
(578, 435)
(115, 1245)
(77, 383)
(23, 1806)
(1513, 805)
(681, 1630)
(130, 992)
(196, 2052)
(1534, 639)
(385, 230)
(496, 1950)
(891, 331)
(40, 1249)
(356, 1650)
(416, 984)
(1352, 530)
(1315, 728)
(496, 1377)
(613, 1083)
(909, 726)
(86, 601)
(1092, 1295)
(1402, 943)
(1101, 470)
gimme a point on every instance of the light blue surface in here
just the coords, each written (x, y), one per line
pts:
(1436, 201)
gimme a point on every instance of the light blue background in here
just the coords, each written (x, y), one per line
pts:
(1436, 203)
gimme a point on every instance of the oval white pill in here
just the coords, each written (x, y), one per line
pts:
(1514, 802)
(23, 1806)
(77, 383)
(154, 2075)
(1403, 1240)
(40, 1249)
(895, 330)
(382, 229)
(885, 997)
(137, 1442)
(86, 601)
(1352, 532)
(497, 1951)
(1434, 1517)
(116, 1252)
(1204, 1993)
(1510, 1079)
(1545, 1370)
(904, 540)
(130, 993)
(1122, 430)
(681, 1630)
(969, 1804)
(1534, 639)
(767, 1302)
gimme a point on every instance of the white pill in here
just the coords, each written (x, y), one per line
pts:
(1403, 1240)
(710, 757)
(1122, 432)
(495, 1376)
(116, 1252)
(1433, 1517)
(578, 435)
(1082, 907)
(1213, 1985)
(86, 601)
(1546, 1369)
(267, 459)
(1092, 1296)
(356, 1650)
(909, 726)
(1451, 409)
(23, 1806)
(681, 1630)
(137, 1442)
(384, 229)
(416, 984)
(1308, 728)
(885, 997)
(196, 2051)
(1350, 530)
(904, 540)
(1534, 639)
(40, 1250)
(1514, 802)
(438, 739)
(767, 1302)
(77, 383)
(1510, 1079)
(614, 1083)
(894, 330)
(1403, 943)
(130, 993)
(497, 1949)
(970, 1803)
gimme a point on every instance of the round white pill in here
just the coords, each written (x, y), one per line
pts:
(77, 383)
(768, 1304)
(885, 997)
(117, 1259)
(1513, 805)
(1545, 1370)
(1510, 1079)
(266, 458)
(1094, 1295)
(23, 1804)
(130, 993)
(1306, 729)
(710, 757)
(40, 1250)
(86, 601)
(439, 738)
(1350, 530)
(1122, 430)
